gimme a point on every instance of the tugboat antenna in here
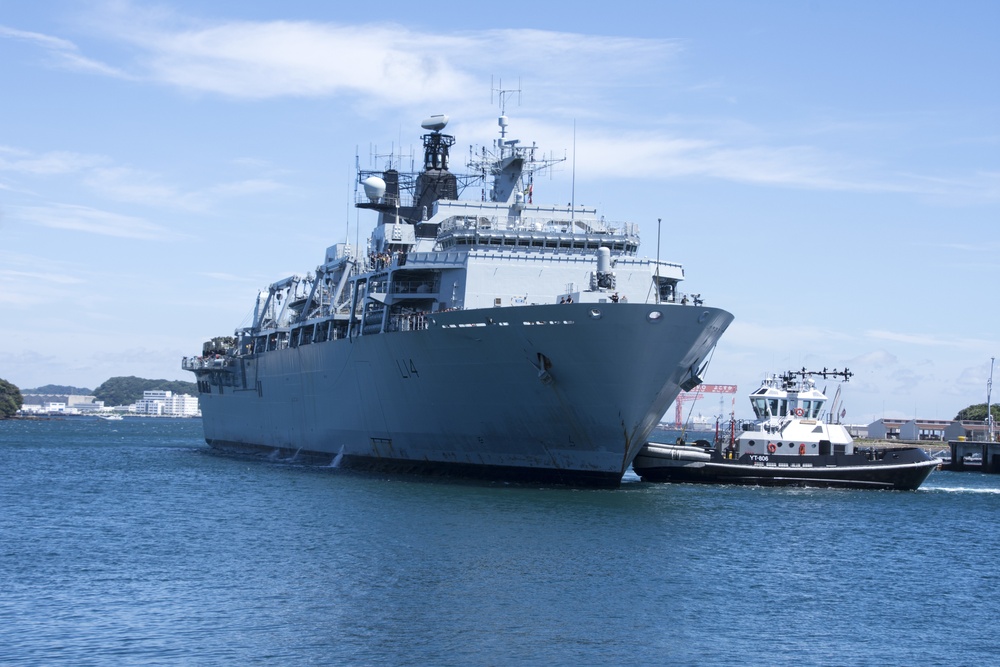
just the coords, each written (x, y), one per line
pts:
(825, 373)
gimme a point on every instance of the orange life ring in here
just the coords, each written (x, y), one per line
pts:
(771, 448)
(802, 449)
(799, 412)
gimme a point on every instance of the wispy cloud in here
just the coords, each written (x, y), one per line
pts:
(133, 185)
(227, 277)
(666, 156)
(29, 280)
(64, 53)
(765, 336)
(35, 276)
(93, 221)
(382, 64)
(281, 58)
(253, 186)
(54, 162)
(119, 183)
(911, 339)
(926, 340)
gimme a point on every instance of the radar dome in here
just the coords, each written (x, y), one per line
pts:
(374, 188)
(435, 123)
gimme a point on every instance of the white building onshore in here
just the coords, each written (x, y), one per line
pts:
(163, 403)
(64, 404)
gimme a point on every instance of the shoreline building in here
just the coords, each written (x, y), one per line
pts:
(66, 404)
(163, 403)
(916, 430)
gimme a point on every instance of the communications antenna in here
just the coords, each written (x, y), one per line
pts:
(502, 97)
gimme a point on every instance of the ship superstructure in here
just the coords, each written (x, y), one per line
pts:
(492, 336)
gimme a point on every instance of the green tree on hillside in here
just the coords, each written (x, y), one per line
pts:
(59, 389)
(10, 399)
(977, 413)
(128, 390)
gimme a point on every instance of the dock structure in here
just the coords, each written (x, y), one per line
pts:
(973, 455)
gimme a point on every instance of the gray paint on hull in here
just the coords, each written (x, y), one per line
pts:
(470, 395)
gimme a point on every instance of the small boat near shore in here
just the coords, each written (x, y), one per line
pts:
(788, 445)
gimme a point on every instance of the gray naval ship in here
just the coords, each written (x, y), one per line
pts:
(491, 337)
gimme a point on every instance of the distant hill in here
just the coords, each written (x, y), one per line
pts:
(128, 390)
(59, 389)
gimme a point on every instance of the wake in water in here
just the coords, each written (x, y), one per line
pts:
(961, 489)
(335, 463)
(275, 456)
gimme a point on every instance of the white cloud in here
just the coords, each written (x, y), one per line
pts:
(54, 162)
(912, 339)
(32, 276)
(974, 346)
(93, 221)
(252, 186)
(874, 360)
(227, 277)
(391, 65)
(261, 60)
(126, 184)
(29, 280)
(64, 52)
(758, 335)
(386, 63)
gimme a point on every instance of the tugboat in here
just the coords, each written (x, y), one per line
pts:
(789, 444)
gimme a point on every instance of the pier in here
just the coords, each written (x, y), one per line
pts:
(974, 455)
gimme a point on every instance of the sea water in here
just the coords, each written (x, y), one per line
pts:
(130, 543)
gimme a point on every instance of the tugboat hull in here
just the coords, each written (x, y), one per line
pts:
(894, 469)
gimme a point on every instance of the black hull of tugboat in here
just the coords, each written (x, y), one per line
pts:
(896, 469)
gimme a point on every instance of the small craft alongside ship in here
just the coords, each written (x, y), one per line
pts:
(789, 444)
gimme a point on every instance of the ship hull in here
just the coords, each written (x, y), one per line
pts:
(901, 470)
(553, 393)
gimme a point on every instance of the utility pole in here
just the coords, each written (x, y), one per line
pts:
(989, 410)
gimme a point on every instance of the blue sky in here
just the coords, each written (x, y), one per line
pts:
(827, 171)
